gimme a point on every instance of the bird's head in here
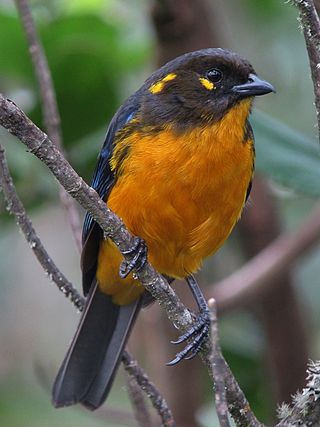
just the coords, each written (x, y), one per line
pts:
(200, 87)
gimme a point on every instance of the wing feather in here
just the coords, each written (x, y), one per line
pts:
(103, 180)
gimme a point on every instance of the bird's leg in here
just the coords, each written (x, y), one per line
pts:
(139, 253)
(198, 333)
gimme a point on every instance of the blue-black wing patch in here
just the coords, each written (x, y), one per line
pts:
(103, 178)
(103, 181)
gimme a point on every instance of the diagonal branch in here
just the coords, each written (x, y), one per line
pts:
(140, 409)
(17, 123)
(51, 116)
(238, 405)
(217, 366)
(159, 403)
(38, 143)
(49, 106)
(311, 29)
(16, 208)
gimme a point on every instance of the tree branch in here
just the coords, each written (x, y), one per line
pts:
(49, 106)
(183, 26)
(17, 123)
(52, 123)
(158, 402)
(238, 405)
(140, 409)
(217, 367)
(310, 22)
(49, 103)
(16, 208)
(38, 143)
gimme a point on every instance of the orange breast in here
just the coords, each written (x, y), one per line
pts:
(182, 193)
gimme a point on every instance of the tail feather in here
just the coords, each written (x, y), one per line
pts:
(87, 372)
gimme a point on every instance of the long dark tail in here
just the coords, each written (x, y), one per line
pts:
(87, 372)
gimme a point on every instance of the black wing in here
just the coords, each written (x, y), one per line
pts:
(103, 181)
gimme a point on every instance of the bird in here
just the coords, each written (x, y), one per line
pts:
(176, 166)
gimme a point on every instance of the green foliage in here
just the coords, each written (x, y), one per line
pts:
(288, 157)
(264, 9)
(15, 64)
(83, 54)
(90, 63)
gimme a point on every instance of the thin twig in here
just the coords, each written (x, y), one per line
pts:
(217, 367)
(238, 405)
(40, 145)
(228, 388)
(255, 276)
(51, 115)
(311, 29)
(15, 207)
(49, 106)
(159, 403)
(140, 409)
(52, 119)
(72, 216)
(17, 123)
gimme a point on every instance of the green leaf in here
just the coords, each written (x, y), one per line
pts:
(15, 64)
(288, 157)
(82, 52)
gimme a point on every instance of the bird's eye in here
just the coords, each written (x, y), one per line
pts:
(214, 75)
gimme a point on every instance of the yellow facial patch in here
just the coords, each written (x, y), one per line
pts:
(206, 83)
(158, 86)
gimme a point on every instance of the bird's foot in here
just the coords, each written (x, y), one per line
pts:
(196, 336)
(139, 253)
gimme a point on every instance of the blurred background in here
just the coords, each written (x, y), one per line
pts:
(99, 52)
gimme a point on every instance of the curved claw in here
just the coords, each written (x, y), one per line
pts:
(189, 333)
(174, 361)
(139, 250)
(195, 345)
(196, 350)
(178, 341)
(192, 355)
(182, 354)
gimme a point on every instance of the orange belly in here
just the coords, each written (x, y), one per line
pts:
(182, 194)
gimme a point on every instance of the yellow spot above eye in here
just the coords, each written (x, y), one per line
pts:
(206, 83)
(158, 86)
(169, 77)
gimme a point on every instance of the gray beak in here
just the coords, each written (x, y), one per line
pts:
(253, 87)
